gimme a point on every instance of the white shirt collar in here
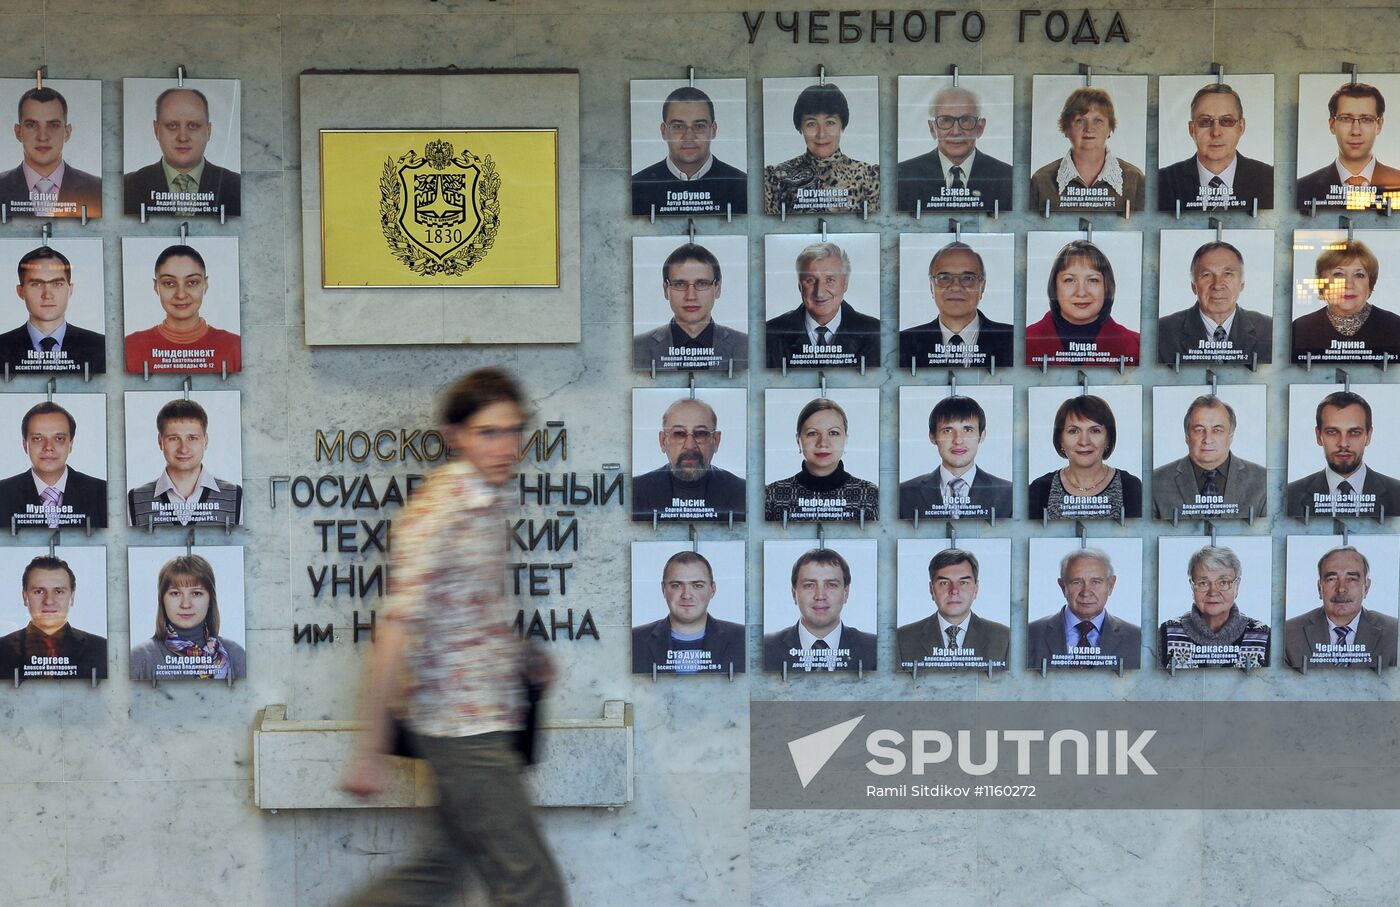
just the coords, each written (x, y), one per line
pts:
(948, 166)
(1210, 325)
(1112, 173)
(1357, 479)
(183, 510)
(683, 176)
(1343, 174)
(61, 484)
(36, 335)
(831, 326)
(32, 176)
(968, 334)
(1351, 637)
(945, 477)
(1204, 176)
(943, 626)
(806, 638)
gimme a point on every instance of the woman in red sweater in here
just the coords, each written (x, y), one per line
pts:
(184, 341)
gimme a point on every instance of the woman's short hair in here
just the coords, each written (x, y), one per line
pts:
(818, 405)
(1081, 249)
(1079, 103)
(823, 98)
(186, 570)
(1340, 253)
(477, 390)
(1086, 406)
(1214, 557)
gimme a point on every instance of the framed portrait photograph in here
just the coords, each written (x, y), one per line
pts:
(821, 297)
(1085, 603)
(953, 605)
(56, 477)
(955, 148)
(1088, 143)
(821, 145)
(61, 631)
(180, 147)
(819, 605)
(188, 614)
(1343, 451)
(1215, 143)
(821, 455)
(57, 168)
(191, 448)
(1340, 599)
(1091, 313)
(956, 300)
(955, 450)
(690, 303)
(1085, 450)
(1345, 157)
(63, 326)
(689, 147)
(1228, 583)
(1209, 452)
(180, 304)
(688, 608)
(688, 454)
(1215, 299)
(1335, 275)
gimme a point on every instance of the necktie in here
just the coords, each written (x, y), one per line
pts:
(822, 335)
(958, 487)
(1357, 181)
(1344, 487)
(953, 637)
(821, 654)
(183, 182)
(1084, 626)
(820, 645)
(47, 344)
(957, 174)
(51, 497)
(955, 340)
(1218, 192)
(1218, 335)
(1341, 634)
(1210, 487)
(44, 186)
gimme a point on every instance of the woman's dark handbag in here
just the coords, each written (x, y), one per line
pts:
(400, 740)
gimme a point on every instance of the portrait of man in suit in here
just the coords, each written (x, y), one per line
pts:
(1217, 177)
(688, 640)
(957, 426)
(688, 487)
(960, 334)
(186, 492)
(1345, 486)
(49, 646)
(1341, 631)
(1355, 117)
(954, 174)
(1083, 632)
(44, 184)
(1210, 482)
(47, 342)
(183, 181)
(1216, 328)
(51, 493)
(691, 280)
(690, 179)
(824, 331)
(820, 640)
(953, 636)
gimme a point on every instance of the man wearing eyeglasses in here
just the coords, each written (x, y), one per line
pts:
(690, 280)
(690, 180)
(1217, 177)
(688, 487)
(1209, 482)
(1355, 117)
(953, 636)
(1341, 631)
(44, 184)
(961, 334)
(1215, 632)
(954, 175)
(1216, 329)
(825, 331)
(47, 342)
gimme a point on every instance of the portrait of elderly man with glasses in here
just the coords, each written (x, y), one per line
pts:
(825, 330)
(1214, 632)
(1355, 117)
(691, 282)
(690, 179)
(954, 174)
(688, 487)
(960, 334)
(1217, 177)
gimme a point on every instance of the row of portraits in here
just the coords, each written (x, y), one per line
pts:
(953, 604)
(180, 304)
(186, 613)
(957, 300)
(1208, 453)
(180, 148)
(955, 151)
(56, 477)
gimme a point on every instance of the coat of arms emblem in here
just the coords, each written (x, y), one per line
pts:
(439, 212)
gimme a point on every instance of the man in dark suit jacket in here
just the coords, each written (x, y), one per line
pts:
(688, 640)
(1355, 117)
(691, 281)
(47, 342)
(49, 587)
(953, 586)
(47, 433)
(1217, 176)
(183, 181)
(690, 180)
(825, 331)
(960, 334)
(1217, 280)
(982, 183)
(957, 426)
(1086, 581)
(820, 640)
(1209, 482)
(1343, 430)
(44, 184)
(1343, 582)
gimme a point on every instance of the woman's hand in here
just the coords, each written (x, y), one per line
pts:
(365, 776)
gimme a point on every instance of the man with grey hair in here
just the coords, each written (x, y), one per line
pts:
(1209, 482)
(953, 636)
(1341, 631)
(1083, 633)
(1217, 177)
(1215, 631)
(825, 331)
(688, 487)
(954, 175)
